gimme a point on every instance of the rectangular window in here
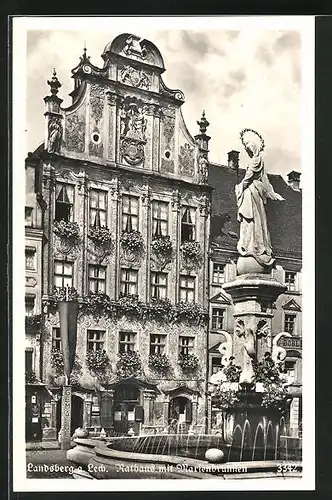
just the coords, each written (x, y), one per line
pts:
(56, 339)
(158, 285)
(28, 216)
(290, 370)
(63, 273)
(187, 288)
(188, 224)
(218, 276)
(290, 280)
(95, 340)
(29, 305)
(127, 341)
(129, 280)
(30, 258)
(217, 319)
(28, 360)
(157, 344)
(159, 219)
(97, 278)
(215, 365)
(97, 208)
(186, 345)
(129, 213)
(64, 202)
(289, 325)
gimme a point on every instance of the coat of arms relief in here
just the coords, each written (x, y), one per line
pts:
(133, 124)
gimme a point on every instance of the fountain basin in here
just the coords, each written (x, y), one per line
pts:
(108, 463)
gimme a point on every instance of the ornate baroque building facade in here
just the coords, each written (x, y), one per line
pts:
(126, 222)
(124, 208)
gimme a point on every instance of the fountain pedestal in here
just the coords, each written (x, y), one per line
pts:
(253, 296)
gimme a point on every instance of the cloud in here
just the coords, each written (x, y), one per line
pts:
(248, 78)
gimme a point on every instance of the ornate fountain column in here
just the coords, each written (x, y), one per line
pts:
(254, 290)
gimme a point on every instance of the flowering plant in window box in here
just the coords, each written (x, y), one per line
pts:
(97, 304)
(33, 322)
(189, 312)
(129, 364)
(97, 361)
(61, 294)
(67, 230)
(192, 254)
(131, 241)
(30, 377)
(57, 361)
(162, 246)
(159, 363)
(188, 362)
(131, 306)
(100, 235)
(160, 309)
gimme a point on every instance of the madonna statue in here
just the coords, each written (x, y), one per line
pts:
(254, 245)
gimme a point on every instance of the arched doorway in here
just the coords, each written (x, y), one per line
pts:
(127, 409)
(180, 414)
(76, 413)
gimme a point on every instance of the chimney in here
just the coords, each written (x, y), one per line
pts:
(294, 180)
(233, 159)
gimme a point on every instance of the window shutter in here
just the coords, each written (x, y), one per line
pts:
(106, 411)
(188, 412)
(139, 414)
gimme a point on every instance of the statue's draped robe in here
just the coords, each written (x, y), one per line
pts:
(254, 238)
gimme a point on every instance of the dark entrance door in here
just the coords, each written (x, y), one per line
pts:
(76, 413)
(180, 415)
(126, 401)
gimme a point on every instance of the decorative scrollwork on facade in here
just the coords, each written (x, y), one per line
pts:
(167, 166)
(65, 246)
(131, 258)
(186, 160)
(75, 133)
(133, 47)
(134, 77)
(97, 94)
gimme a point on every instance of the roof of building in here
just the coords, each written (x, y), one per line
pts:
(284, 218)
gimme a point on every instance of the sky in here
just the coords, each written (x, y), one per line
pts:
(249, 78)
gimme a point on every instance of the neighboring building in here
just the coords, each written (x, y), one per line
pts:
(120, 157)
(33, 294)
(285, 225)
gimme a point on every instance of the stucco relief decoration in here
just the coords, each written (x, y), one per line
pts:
(133, 132)
(135, 77)
(134, 48)
(67, 238)
(186, 160)
(97, 102)
(75, 133)
(55, 131)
